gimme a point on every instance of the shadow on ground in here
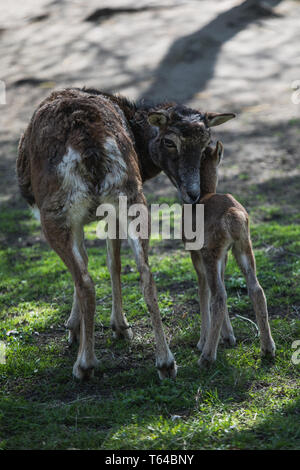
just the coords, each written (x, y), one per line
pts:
(194, 56)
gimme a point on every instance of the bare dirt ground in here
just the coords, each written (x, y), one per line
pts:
(240, 56)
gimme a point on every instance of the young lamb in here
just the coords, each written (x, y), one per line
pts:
(226, 226)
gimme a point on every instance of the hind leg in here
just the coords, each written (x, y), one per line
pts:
(244, 255)
(118, 320)
(227, 333)
(213, 267)
(73, 322)
(66, 242)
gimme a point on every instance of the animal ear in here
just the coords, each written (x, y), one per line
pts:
(215, 119)
(219, 151)
(158, 118)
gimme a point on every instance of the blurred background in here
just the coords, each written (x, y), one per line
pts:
(224, 56)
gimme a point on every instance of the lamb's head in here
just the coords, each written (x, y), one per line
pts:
(180, 138)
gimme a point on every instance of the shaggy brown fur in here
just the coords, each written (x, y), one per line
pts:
(83, 148)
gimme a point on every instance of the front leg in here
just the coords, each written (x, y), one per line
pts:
(165, 361)
(118, 321)
(204, 297)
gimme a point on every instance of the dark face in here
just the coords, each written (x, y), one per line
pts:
(181, 135)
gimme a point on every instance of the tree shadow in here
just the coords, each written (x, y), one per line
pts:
(189, 64)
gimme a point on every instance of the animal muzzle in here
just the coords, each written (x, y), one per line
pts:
(190, 196)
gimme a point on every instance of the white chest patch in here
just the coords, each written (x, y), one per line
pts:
(117, 168)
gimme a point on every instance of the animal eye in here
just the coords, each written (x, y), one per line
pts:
(169, 143)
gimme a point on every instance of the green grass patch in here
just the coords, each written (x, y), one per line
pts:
(242, 402)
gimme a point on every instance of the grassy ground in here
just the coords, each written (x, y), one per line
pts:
(241, 402)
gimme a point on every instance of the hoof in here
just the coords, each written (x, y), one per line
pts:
(123, 333)
(269, 351)
(167, 369)
(205, 362)
(228, 341)
(83, 371)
